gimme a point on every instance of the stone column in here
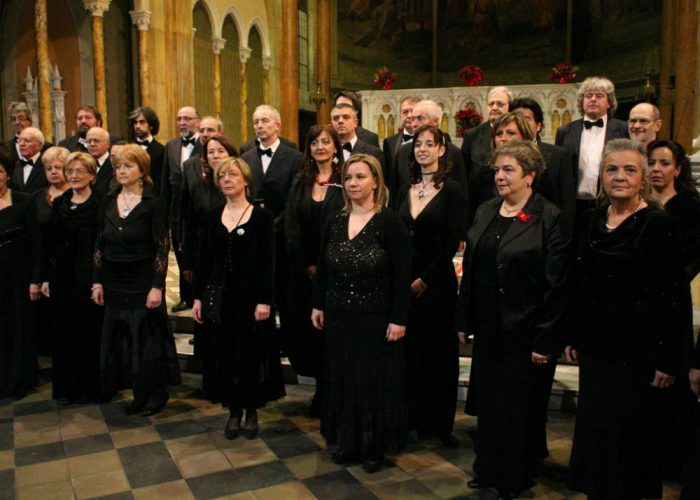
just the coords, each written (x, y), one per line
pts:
(142, 20)
(43, 66)
(323, 65)
(97, 10)
(244, 53)
(289, 66)
(686, 68)
(267, 64)
(217, 45)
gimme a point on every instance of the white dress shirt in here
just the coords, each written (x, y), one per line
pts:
(590, 153)
(346, 153)
(264, 159)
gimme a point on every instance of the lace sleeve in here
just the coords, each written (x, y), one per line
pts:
(161, 243)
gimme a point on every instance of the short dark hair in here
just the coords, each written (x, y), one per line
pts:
(684, 183)
(6, 164)
(356, 102)
(531, 104)
(150, 116)
(207, 172)
(92, 110)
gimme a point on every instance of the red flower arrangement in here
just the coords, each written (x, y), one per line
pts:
(466, 119)
(471, 74)
(563, 73)
(384, 78)
(522, 216)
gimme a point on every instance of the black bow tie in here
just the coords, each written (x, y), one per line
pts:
(24, 162)
(407, 137)
(187, 142)
(143, 143)
(267, 152)
(347, 147)
(598, 123)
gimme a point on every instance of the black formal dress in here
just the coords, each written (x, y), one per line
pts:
(631, 316)
(476, 148)
(305, 218)
(17, 342)
(512, 298)
(362, 285)
(131, 257)
(684, 209)
(243, 350)
(432, 351)
(68, 244)
(690, 477)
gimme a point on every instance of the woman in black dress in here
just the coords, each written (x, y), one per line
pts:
(130, 265)
(361, 299)
(68, 244)
(512, 299)
(316, 196)
(631, 327)
(17, 343)
(233, 289)
(205, 196)
(433, 209)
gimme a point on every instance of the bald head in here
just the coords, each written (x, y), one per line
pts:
(644, 122)
(187, 121)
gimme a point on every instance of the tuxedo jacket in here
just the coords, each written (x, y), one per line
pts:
(171, 177)
(531, 264)
(12, 149)
(71, 143)
(391, 148)
(362, 147)
(271, 188)
(401, 175)
(557, 184)
(569, 136)
(156, 151)
(476, 148)
(255, 143)
(367, 136)
(105, 181)
(35, 181)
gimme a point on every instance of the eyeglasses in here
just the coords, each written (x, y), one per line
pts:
(18, 119)
(185, 118)
(75, 171)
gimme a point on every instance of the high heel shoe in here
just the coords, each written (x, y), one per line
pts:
(233, 426)
(250, 429)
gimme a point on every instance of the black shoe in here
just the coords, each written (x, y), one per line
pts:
(155, 408)
(372, 465)
(233, 426)
(477, 484)
(134, 407)
(450, 441)
(250, 429)
(343, 457)
(181, 306)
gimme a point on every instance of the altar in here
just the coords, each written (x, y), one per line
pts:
(380, 108)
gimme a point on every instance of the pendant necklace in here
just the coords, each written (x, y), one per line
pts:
(425, 184)
(239, 230)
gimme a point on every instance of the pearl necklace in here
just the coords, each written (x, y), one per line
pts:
(607, 215)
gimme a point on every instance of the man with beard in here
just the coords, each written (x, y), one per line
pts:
(87, 117)
(145, 126)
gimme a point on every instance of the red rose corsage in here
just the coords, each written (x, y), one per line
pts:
(522, 216)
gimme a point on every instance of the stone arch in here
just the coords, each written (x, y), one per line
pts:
(230, 79)
(203, 58)
(261, 27)
(255, 74)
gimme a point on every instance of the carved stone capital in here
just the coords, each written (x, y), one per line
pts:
(97, 7)
(218, 44)
(244, 53)
(267, 63)
(141, 18)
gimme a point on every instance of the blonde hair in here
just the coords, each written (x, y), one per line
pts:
(228, 164)
(55, 153)
(85, 159)
(136, 154)
(381, 193)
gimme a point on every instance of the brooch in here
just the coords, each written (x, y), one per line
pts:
(522, 216)
(240, 231)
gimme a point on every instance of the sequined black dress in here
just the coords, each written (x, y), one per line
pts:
(362, 285)
(242, 350)
(17, 342)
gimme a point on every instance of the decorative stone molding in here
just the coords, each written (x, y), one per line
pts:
(141, 19)
(267, 63)
(97, 7)
(217, 44)
(244, 53)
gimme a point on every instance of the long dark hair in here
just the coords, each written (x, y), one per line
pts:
(684, 183)
(444, 166)
(207, 173)
(309, 169)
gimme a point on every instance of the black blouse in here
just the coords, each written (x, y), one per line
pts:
(142, 235)
(684, 209)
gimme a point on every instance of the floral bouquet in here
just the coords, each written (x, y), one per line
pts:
(466, 119)
(563, 73)
(384, 78)
(471, 74)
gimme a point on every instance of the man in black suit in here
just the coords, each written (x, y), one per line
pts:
(476, 148)
(557, 182)
(145, 126)
(586, 137)
(344, 121)
(98, 145)
(21, 117)
(351, 98)
(392, 144)
(87, 117)
(29, 176)
(427, 112)
(255, 143)
(177, 151)
(274, 166)
(644, 123)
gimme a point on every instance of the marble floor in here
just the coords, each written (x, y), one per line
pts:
(48, 450)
